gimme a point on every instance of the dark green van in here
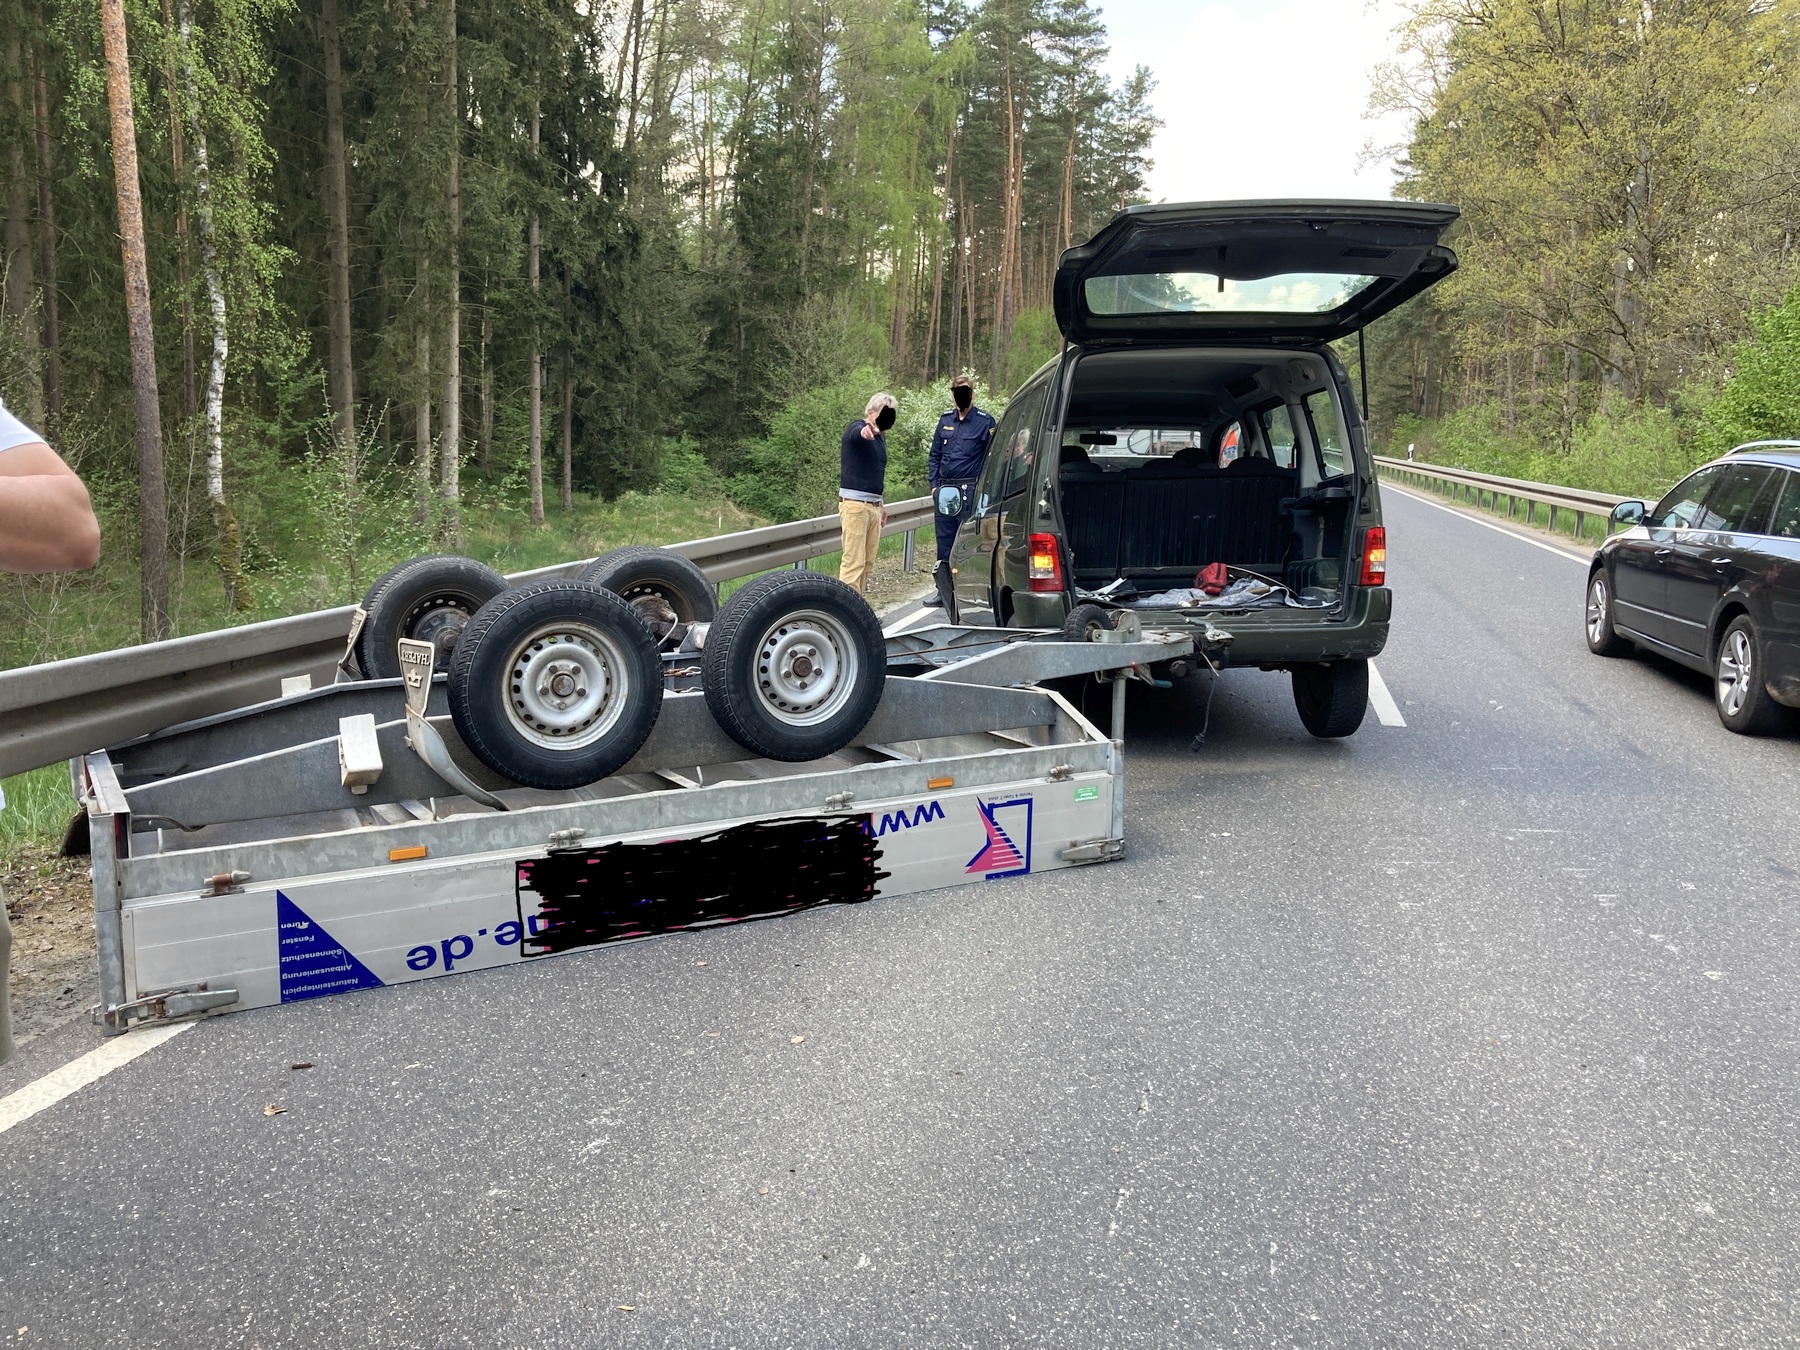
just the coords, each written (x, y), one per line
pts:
(1196, 416)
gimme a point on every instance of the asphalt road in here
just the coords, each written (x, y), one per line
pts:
(1476, 1032)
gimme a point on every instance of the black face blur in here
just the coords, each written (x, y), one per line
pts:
(964, 396)
(884, 419)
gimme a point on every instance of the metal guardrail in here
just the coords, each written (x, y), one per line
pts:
(1462, 485)
(52, 711)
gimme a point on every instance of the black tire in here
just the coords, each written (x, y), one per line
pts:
(762, 672)
(1086, 622)
(1601, 639)
(1740, 694)
(507, 711)
(1332, 696)
(432, 598)
(667, 590)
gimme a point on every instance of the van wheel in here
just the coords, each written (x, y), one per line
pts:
(1739, 692)
(431, 599)
(1602, 640)
(1331, 697)
(1086, 622)
(555, 684)
(794, 666)
(667, 590)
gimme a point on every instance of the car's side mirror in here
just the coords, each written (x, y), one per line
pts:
(1625, 515)
(949, 501)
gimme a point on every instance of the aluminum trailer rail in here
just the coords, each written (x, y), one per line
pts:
(301, 847)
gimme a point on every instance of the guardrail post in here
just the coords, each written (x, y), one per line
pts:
(1580, 520)
(800, 564)
(1552, 517)
(906, 554)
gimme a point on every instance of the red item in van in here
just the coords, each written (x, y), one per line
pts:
(1212, 578)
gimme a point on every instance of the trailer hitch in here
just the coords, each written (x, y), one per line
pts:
(167, 1005)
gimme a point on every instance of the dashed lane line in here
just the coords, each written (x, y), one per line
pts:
(1387, 712)
(78, 1073)
(1570, 554)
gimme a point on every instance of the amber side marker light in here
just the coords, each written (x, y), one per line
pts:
(407, 854)
(936, 783)
(1374, 556)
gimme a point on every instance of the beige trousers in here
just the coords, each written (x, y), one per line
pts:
(862, 537)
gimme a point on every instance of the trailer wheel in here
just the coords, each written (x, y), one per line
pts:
(1332, 696)
(666, 589)
(555, 684)
(1086, 622)
(794, 666)
(430, 598)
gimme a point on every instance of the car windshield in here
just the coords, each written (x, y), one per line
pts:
(1199, 292)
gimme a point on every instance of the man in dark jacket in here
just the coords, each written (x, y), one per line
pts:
(862, 477)
(46, 525)
(959, 447)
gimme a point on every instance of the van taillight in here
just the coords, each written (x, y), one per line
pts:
(1374, 557)
(1045, 571)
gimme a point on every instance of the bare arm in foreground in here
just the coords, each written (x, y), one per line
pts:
(46, 520)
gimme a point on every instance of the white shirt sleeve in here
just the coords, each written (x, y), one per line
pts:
(14, 432)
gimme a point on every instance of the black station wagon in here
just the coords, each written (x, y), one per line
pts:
(1195, 453)
(1710, 578)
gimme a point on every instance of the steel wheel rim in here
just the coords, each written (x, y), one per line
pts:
(566, 686)
(439, 620)
(1596, 610)
(806, 668)
(1735, 660)
(655, 608)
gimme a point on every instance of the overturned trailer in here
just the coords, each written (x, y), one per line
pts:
(343, 838)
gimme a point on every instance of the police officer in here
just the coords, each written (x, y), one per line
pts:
(46, 525)
(959, 447)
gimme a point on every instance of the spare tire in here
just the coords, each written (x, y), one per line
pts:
(555, 684)
(430, 598)
(794, 666)
(667, 590)
(1086, 622)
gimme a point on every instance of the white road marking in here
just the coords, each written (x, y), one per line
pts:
(909, 621)
(77, 1074)
(1499, 529)
(1387, 712)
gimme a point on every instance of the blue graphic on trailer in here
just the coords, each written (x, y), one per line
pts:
(1002, 855)
(312, 962)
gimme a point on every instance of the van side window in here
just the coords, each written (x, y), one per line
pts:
(1015, 443)
(1328, 433)
(1278, 431)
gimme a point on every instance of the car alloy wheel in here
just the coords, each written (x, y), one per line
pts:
(1737, 662)
(1742, 701)
(1601, 638)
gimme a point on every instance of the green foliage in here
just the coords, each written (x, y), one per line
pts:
(1632, 451)
(38, 807)
(1761, 400)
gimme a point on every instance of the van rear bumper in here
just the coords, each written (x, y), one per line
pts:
(1282, 637)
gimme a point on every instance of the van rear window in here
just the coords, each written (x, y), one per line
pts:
(1205, 292)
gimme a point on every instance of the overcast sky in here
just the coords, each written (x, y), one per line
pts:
(1259, 98)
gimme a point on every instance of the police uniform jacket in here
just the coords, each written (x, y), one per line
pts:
(959, 447)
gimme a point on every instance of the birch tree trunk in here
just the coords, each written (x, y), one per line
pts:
(450, 448)
(231, 559)
(153, 522)
(337, 192)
